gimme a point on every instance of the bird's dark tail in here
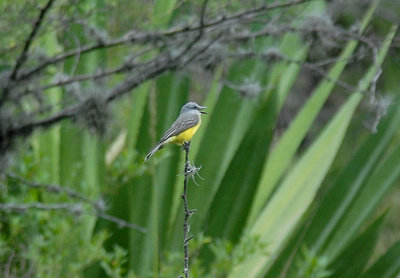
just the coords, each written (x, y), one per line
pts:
(153, 151)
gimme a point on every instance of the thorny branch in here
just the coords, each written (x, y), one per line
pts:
(188, 212)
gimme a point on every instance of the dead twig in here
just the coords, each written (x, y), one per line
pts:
(23, 56)
(98, 207)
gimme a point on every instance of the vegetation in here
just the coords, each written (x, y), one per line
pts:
(297, 156)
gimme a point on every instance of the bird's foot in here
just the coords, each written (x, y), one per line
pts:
(186, 146)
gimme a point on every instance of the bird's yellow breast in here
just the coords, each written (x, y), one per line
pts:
(186, 135)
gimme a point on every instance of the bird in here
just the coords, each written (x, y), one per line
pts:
(183, 129)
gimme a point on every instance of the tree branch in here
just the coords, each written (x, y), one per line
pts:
(152, 37)
(126, 66)
(73, 208)
(22, 58)
(57, 189)
(98, 206)
(173, 49)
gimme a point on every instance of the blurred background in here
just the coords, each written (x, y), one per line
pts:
(299, 153)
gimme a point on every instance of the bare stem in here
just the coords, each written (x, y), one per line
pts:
(188, 212)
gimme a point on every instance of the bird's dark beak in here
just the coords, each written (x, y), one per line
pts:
(201, 108)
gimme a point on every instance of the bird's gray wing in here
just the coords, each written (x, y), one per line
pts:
(181, 124)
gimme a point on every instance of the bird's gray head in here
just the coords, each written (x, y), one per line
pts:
(193, 106)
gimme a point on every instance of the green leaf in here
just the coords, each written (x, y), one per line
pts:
(162, 12)
(139, 98)
(298, 189)
(326, 215)
(388, 266)
(358, 252)
(46, 143)
(367, 199)
(232, 202)
(285, 149)
(210, 102)
(340, 197)
(234, 197)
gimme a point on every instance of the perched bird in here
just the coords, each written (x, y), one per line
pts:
(183, 129)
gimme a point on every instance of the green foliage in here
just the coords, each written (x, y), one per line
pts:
(113, 263)
(387, 266)
(52, 259)
(267, 206)
(48, 243)
(361, 248)
(311, 265)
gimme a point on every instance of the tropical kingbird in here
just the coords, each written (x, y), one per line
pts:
(183, 129)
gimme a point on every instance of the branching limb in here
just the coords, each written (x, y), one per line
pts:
(23, 56)
(208, 41)
(136, 37)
